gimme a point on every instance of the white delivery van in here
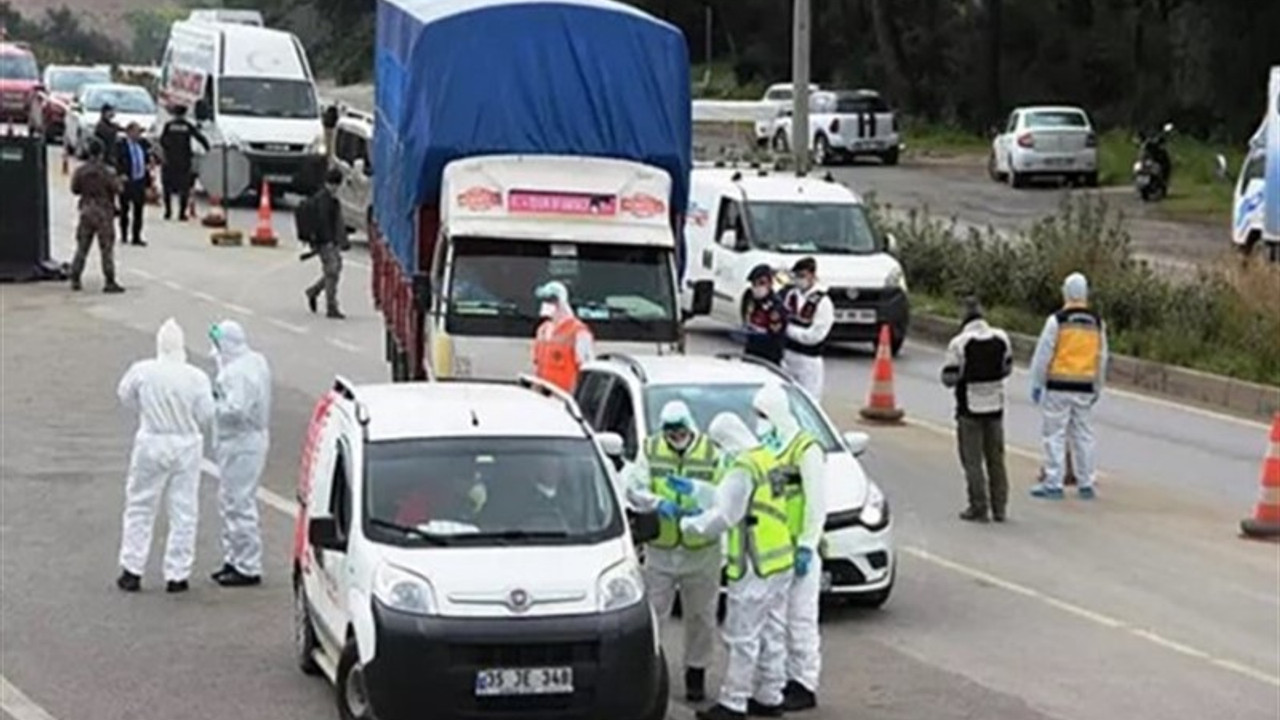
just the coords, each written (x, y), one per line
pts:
(510, 223)
(460, 551)
(254, 87)
(740, 218)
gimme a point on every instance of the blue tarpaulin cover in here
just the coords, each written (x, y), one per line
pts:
(458, 78)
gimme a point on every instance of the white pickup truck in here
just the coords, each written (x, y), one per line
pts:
(844, 124)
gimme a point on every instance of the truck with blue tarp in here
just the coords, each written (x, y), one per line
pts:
(518, 142)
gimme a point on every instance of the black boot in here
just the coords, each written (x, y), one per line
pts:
(176, 586)
(111, 288)
(235, 578)
(695, 684)
(972, 514)
(719, 712)
(759, 709)
(335, 314)
(798, 697)
(75, 284)
(129, 582)
(226, 568)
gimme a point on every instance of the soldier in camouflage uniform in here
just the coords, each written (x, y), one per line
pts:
(97, 186)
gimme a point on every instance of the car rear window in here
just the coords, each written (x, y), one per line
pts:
(860, 104)
(1057, 119)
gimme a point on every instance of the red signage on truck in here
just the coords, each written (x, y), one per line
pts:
(544, 203)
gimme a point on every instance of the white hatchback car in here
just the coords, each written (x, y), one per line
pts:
(624, 395)
(1045, 141)
(131, 103)
(352, 148)
(460, 552)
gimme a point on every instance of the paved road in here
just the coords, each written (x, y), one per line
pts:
(1143, 604)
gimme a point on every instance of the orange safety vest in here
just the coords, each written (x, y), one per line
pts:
(555, 357)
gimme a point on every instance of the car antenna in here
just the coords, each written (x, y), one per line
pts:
(475, 421)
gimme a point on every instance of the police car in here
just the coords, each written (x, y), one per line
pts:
(460, 552)
(624, 395)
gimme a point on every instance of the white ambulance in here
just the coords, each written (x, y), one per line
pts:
(743, 217)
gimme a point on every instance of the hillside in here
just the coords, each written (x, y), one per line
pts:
(107, 16)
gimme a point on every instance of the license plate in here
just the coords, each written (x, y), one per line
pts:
(1058, 162)
(827, 581)
(279, 178)
(497, 682)
(865, 317)
(1143, 181)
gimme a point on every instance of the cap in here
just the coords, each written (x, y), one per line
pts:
(805, 265)
(758, 272)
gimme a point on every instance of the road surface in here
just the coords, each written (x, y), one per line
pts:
(1143, 604)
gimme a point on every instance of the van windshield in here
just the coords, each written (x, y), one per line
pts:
(803, 228)
(489, 491)
(623, 292)
(270, 98)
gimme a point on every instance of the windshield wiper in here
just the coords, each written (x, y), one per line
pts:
(409, 531)
(514, 535)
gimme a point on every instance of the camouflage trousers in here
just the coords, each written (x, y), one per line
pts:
(95, 223)
(331, 267)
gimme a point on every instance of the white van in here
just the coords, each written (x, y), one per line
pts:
(352, 151)
(743, 217)
(461, 551)
(226, 15)
(254, 87)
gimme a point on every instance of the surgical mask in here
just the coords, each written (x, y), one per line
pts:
(804, 284)
(682, 443)
(547, 309)
(760, 292)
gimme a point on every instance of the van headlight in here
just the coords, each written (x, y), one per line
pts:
(402, 590)
(896, 279)
(875, 513)
(621, 586)
(318, 146)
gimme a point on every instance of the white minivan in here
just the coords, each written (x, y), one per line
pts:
(461, 552)
(742, 217)
(252, 86)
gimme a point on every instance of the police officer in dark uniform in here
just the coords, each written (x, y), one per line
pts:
(97, 185)
(107, 132)
(175, 145)
(764, 317)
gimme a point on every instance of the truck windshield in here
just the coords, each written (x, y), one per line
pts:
(624, 292)
(271, 98)
(803, 228)
(488, 491)
(18, 66)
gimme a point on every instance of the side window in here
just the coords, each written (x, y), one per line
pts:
(730, 219)
(590, 395)
(620, 417)
(342, 145)
(340, 499)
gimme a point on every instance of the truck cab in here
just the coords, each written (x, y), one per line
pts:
(509, 224)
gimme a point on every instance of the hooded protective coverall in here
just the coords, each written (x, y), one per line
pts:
(805, 463)
(673, 561)
(174, 402)
(810, 317)
(562, 343)
(242, 393)
(754, 627)
(1068, 372)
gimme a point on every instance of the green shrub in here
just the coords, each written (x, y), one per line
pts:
(1225, 319)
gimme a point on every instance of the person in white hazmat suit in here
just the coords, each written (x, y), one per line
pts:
(810, 317)
(674, 561)
(174, 402)
(748, 503)
(804, 464)
(1068, 372)
(242, 401)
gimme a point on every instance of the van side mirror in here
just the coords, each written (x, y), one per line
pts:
(645, 527)
(729, 238)
(323, 533)
(857, 442)
(203, 111)
(702, 295)
(611, 443)
(891, 243)
(1221, 168)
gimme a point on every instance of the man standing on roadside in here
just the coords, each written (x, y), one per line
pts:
(107, 132)
(1067, 375)
(133, 162)
(977, 362)
(97, 187)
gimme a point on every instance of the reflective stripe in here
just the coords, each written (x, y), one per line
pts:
(698, 462)
(762, 538)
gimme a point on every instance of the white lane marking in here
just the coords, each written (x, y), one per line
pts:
(1092, 616)
(205, 297)
(344, 345)
(287, 326)
(173, 285)
(238, 309)
(361, 265)
(19, 706)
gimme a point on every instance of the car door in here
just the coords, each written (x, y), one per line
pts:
(328, 596)
(729, 254)
(619, 416)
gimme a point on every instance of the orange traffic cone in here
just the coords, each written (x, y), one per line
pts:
(881, 406)
(1265, 522)
(215, 218)
(263, 234)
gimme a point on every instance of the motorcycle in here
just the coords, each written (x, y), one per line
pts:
(1154, 166)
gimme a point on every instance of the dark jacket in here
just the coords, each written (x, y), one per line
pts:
(97, 185)
(330, 227)
(766, 323)
(175, 146)
(124, 162)
(978, 361)
(108, 133)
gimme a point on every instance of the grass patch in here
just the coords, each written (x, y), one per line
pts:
(1225, 321)
(718, 82)
(940, 140)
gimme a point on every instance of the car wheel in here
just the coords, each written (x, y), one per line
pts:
(890, 157)
(993, 172)
(663, 695)
(780, 143)
(1016, 179)
(897, 340)
(872, 600)
(304, 633)
(352, 695)
(821, 151)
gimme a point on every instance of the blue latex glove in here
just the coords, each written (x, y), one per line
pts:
(680, 485)
(668, 510)
(1036, 395)
(804, 559)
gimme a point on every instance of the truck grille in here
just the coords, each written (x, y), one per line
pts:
(277, 147)
(527, 655)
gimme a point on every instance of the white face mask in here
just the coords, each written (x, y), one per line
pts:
(759, 292)
(548, 309)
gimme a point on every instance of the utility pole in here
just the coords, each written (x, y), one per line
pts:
(710, 19)
(800, 43)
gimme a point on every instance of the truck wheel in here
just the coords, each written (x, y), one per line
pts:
(304, 634)
(890, 157)
(352, 696)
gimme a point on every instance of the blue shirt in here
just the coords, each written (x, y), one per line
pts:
(138, 161)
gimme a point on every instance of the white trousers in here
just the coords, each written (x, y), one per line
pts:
(241, 459)
(804, 644)
(807, 370)
(157, 462)
(755, 633)
(695, 574)
(1068, 418)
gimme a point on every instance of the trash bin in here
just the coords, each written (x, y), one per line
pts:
(24, 208)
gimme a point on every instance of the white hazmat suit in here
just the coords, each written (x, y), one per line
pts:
(242, 394)
(754, 627)
(694, 572)
(810, 322)
(803, 642)
(174, 402)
